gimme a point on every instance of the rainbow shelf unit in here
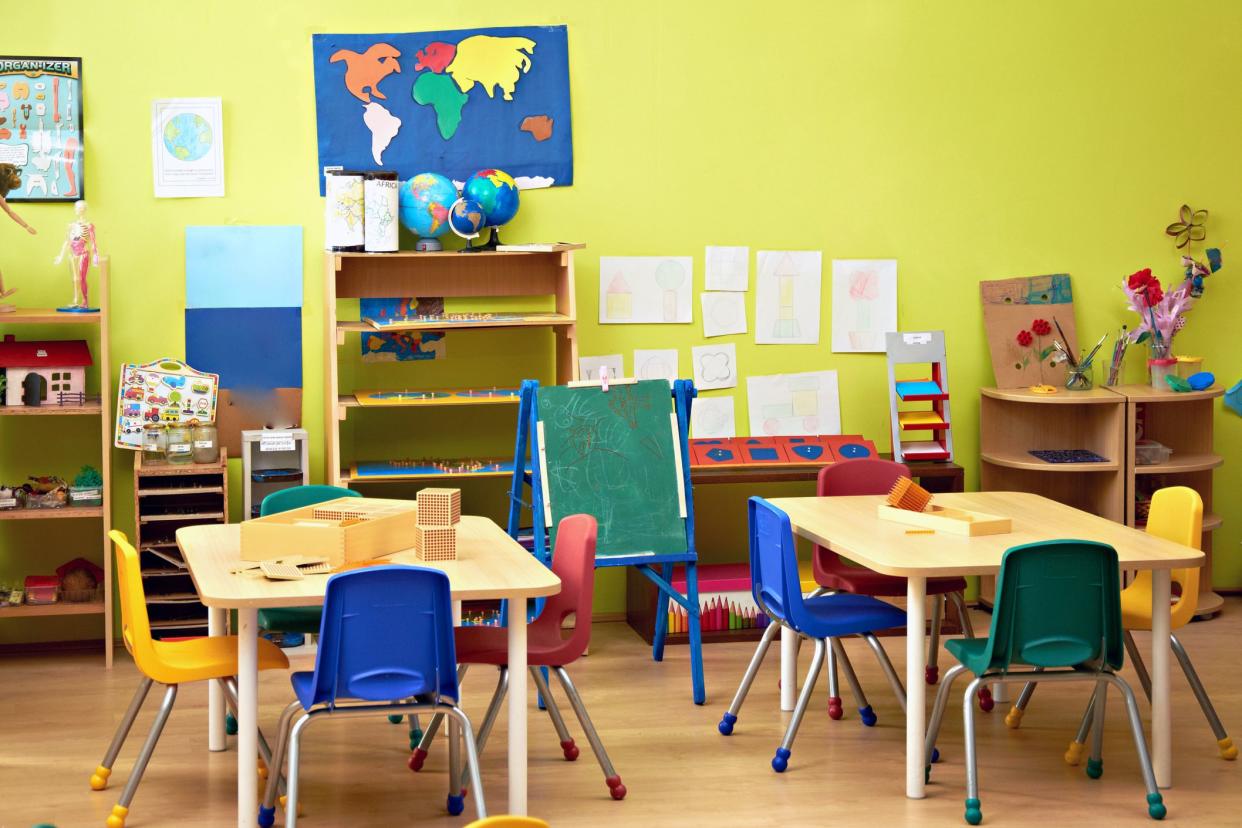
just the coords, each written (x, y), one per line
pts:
(920, 432)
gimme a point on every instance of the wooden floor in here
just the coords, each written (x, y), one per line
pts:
(60, 711)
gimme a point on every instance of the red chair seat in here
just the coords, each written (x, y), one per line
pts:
(833, 573)
(490, 645)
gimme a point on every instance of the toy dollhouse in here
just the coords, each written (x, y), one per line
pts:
(59, 366)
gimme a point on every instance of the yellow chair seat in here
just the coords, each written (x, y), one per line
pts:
(198, 659)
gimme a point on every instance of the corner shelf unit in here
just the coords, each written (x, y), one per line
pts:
(547, 276)
(100, 409)
(168, 497)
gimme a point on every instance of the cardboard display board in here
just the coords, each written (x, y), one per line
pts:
(1020, 318)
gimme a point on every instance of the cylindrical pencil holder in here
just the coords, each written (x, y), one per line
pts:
(1080, 378)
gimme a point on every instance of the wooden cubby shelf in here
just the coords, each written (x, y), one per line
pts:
(90, 409)
(51, 316)
(65, 512)
(59, 608)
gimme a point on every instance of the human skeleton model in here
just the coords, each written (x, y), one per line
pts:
(10, 179)
(83, 249)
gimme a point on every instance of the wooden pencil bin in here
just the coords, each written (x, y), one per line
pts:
(342, 531)
(953, 521)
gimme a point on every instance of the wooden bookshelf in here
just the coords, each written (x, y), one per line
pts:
(547, 276)
(99, 407)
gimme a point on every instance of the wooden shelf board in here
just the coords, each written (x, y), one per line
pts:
(347, 477)
(1095, 396)
(455, 398)
(517, 320)
(1145, 393)
(1211, 522)
(59, 608)
(181, 490)
(411, 254)
(1187, 462)
(921, 421)
(63, 512)
(48, 316)
(90, 408)
(191, 516)
(1030, 463)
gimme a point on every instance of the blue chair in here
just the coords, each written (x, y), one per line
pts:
(777, 589)
(385, 646)
(1058, 611)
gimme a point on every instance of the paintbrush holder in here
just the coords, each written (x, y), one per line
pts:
(1080, 377)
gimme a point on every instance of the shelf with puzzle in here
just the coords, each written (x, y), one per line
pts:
(390, 357)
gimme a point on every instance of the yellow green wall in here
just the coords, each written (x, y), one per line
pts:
(969, 140)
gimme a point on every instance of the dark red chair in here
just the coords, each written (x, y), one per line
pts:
(573, 561)
(872, 476)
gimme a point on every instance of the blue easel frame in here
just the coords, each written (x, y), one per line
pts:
(528, 415)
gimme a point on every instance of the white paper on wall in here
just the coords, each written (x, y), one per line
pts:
(728, 268)
(787, 297)
(715, 366)
(588, 366)
(724, 313)
(656, 364)
(806, 403)
(712, 417)
(646, 289)
(864, 304)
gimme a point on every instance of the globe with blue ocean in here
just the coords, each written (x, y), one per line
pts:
(187, 137)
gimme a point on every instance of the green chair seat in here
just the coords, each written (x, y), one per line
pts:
(291, 619)
(971, 652)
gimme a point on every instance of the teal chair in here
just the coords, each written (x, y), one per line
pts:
(1058, 611)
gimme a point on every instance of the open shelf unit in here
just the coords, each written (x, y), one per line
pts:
(544, 276)
(168, 497)
(95, 406)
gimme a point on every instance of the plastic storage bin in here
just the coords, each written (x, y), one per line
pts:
(1150, 452)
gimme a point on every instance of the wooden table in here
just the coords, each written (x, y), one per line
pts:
(850, 526)
(489, 565)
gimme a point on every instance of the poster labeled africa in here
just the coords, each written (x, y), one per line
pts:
(41, 127)
(451, 102)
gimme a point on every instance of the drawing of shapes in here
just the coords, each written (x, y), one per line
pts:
(712, 417)
(723, 313)
(619, 300)
(794, 404)
(864, 304)
(646, 289)
(787, 297)
(727, 268)
(656, 364)
(715, 366)
(670, 275)
(588, 366)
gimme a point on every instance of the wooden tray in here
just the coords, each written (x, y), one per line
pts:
(953, 521)
(342, 531)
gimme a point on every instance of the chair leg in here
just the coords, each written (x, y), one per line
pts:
(1095, 762)
(611, 778)
(887, 666)
(1013, 719)
(1073, 754)
(456, 796)
(295, 759)
(835, 710)
(1227, 749)
(781, 761)
(930, 753)
(730, 717)
(1140, 668)
(851, 678)
(1155, 802)
(419, 756)
(959, 603)
(974, 813)
(462, 724)
(932, 673)
(416, 731)
(99, 779)
(568, 748)
(119, 811)
(267, 808)
(489, 719)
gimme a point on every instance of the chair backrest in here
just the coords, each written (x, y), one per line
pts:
(774, 578)
(135, 625)
(299, 496)
(865, 476)
(386, 633)
(1177, 515)
(1058, 604)
(573, 561)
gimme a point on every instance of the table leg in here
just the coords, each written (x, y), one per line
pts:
(517, 707)
(247, 716)
(916, 684)
(789, 668)
(215, 696)
(1161, 713)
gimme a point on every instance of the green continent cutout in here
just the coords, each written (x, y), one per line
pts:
(441, 93)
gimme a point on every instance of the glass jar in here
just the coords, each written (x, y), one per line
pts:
(1160, 369)
(154, 444)
(206, 442)
(1080, 377)
(179, 450)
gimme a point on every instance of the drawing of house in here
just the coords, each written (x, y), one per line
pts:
(619, 302)
(61, 364)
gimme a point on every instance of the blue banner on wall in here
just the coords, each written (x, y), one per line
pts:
(451, 102)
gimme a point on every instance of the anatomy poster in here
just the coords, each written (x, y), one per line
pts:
(781, 404)
(187, 148)
(864, 304)
(41, 126)
(635, 289)
(787, 297)
(451, 102)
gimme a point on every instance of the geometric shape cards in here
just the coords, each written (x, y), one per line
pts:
(794, 404)
(656, 364)
(726, 268)
(724, 313)
(864, 304)
(1020, 318)
(243, 267)
(715, 366)
(638, 289)
(787, 297)
(250, 348)
(713, 417)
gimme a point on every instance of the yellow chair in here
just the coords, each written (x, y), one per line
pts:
(1176, 515)
(508, 822)
(170, 663)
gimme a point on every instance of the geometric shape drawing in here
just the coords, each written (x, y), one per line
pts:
(713, 417)
(449, 101)
(657, 364)
(728, 268)
(243, 267)
(805, 403)
(588, 366)
(787, 297)
(864, 304)
(715, 366)
(646, 289)
(724, 313)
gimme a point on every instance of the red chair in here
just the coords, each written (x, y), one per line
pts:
(872, 476)
(573, 561)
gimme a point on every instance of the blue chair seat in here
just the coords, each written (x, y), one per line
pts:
(834, 616)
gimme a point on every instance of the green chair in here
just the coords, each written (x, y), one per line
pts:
(1058, 611)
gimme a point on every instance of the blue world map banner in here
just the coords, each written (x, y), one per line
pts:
(450, 102)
